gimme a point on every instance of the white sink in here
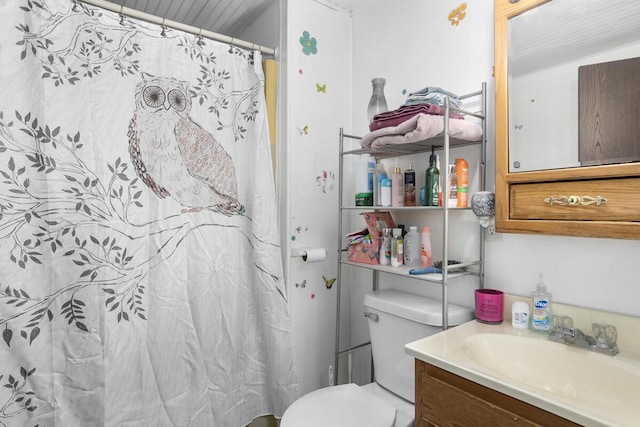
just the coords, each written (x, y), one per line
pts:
(568, 372)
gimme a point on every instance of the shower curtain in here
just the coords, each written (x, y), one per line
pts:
(141, 277)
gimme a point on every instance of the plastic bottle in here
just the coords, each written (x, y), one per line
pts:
(397, 187)
(452, 202)
(432, 177)
(379, 176)
(385, 192)
(462, 175)
(412, 247)
(365, 167)
(426, 259)
(385, 247)
(397, 248)
(541, 312)
(441, 184)
(409, 187)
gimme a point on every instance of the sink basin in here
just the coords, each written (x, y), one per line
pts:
(567, 372)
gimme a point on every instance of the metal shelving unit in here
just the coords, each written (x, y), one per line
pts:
(446, 143)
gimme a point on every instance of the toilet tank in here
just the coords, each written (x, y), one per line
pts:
(401, 319)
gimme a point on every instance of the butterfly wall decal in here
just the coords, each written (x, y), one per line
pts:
(328, 282)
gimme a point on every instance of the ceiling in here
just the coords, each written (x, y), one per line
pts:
(564, 31)
(228, 17)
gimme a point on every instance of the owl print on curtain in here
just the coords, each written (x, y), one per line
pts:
(173, 155)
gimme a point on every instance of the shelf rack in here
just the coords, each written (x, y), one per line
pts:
(444, 142)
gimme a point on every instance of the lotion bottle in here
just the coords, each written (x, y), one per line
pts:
(397, 186)
(541, 310)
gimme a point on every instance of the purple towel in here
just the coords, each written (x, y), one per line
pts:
(405, 112)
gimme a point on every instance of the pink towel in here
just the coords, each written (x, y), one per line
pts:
(405, 112)
(421, 127)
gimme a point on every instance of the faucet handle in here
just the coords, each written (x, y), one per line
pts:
(605, 335)
(562, 325)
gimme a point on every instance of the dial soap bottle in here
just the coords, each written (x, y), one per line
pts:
(541, 313)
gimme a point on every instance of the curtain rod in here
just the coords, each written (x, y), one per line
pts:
(177, 25)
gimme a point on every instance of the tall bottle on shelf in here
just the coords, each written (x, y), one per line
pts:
(412, 247)
(409, 187)
(377, 102)
(397, 186)
(432, 180)
(452, 182)
(397, 248)
(385, 247)
(364, 180)
(462, 177)
(426, 258)
(379, 176)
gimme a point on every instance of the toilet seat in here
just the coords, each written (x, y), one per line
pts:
(345, 405)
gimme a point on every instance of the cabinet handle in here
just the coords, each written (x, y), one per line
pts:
(575, 200)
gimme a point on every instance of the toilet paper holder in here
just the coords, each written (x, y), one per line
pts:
(310, 254)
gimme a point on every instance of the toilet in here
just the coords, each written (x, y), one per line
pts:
(395, 319)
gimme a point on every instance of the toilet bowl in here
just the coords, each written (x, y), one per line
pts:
(395, 319)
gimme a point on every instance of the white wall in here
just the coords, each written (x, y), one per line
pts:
(412, 44)
(318, 104)
(419, 47)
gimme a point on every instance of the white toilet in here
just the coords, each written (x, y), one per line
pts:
(395, 319)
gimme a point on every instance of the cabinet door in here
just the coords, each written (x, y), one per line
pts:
(444, 399)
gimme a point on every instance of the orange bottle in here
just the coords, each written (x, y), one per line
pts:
(462, 175)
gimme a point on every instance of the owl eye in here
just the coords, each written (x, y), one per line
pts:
(153, 96)
(177, 100)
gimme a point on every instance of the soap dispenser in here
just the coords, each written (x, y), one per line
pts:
(541, 312)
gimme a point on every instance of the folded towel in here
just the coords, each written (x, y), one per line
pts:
(405, 112)
(419, 128)
(433, 89)
(433, 95)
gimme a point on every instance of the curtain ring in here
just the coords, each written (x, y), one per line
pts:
(164, 28)
(199, 40)
(122, 14)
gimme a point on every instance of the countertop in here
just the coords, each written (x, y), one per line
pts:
(448, 350)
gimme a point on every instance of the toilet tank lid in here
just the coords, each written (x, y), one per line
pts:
(416, 307)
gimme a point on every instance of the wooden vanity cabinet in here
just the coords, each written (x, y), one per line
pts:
(444, 399)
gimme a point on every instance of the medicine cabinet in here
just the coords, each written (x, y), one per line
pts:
(536, 47)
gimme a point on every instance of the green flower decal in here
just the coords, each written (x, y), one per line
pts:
(309, 44)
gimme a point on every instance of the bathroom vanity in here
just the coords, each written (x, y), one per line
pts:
(444, 399)
(480, 375)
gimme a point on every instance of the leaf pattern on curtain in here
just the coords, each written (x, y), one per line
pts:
(86, 223)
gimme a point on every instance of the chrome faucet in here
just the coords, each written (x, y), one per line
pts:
(603, 340)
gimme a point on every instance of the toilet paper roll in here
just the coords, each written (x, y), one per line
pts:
(311, 254)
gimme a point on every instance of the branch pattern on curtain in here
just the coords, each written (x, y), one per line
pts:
(141, 275)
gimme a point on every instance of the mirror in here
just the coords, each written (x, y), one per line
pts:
(572, 100)
(557, 189)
